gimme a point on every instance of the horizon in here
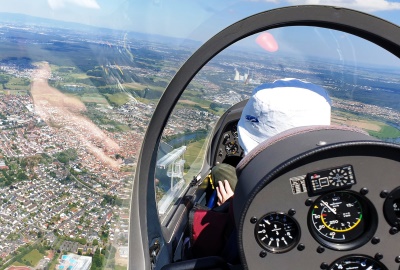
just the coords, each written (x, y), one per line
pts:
(176, 19)
(301, 35)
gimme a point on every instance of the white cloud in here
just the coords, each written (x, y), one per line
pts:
(362, 5)
(58, 4)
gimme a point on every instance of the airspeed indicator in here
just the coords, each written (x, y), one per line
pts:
(340, 218)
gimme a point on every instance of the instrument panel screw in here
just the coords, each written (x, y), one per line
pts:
(324, 265)
(378, 256)
(309, 202)
(393, 230)
(301, 247)
(320, 249)
(384, 193)
(375, 240)
(253, 220)
(397, 259)
(263, 254)
(292, 212)
(364, 191)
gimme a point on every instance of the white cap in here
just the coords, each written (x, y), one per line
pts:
(279, 106)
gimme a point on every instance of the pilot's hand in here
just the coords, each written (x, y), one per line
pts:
(224, 192)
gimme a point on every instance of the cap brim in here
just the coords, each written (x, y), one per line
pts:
(246, 140)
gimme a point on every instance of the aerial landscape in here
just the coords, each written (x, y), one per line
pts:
(74, 108)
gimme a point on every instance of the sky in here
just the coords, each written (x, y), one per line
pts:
(189, 19)
(201, 19)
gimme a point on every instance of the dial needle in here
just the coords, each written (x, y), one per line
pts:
(333, 210)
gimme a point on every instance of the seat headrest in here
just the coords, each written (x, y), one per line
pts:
(289, 133)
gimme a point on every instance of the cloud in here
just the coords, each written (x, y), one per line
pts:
(58, 4)
(362, 5)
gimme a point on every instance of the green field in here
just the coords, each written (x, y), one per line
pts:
(386, 132)
(18, 84)
(118, 98)
(93, 98)
(78, 76)
(194, 155)
(33, 257)
(374, 127)
(118, 267)
(134, 86)
(123, 128)
(18, 264)
(19, 92)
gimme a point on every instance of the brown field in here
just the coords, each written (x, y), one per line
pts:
(185, 101)
(43, 94)
(362, 124)
(58, 109)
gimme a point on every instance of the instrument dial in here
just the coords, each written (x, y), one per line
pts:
(391, 208)
(231, 148)
(277, 232)
(234, 131)
(338, 220)
(339, 177)
(358, 262)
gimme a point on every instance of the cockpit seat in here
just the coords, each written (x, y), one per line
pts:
(294, 132)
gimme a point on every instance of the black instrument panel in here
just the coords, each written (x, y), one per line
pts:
(353, 223)
(229, 150)
(336, 223)
(335, 213)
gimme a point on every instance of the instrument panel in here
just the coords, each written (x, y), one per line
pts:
(328, 226)
(229, 150)
(332, 212)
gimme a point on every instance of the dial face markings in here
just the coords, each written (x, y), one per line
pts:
(391, 207)
(342, 220)
(357, 262)
(337, 217)
(231, 148)
(338, 177)
(277, 232)
(234, 131)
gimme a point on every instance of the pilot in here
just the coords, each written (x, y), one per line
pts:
(273, 108)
